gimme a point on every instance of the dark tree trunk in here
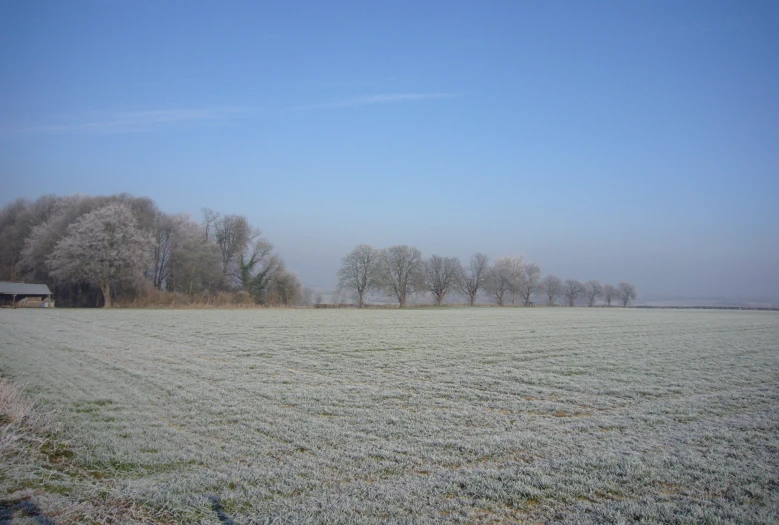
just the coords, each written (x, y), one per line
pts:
(106, 289)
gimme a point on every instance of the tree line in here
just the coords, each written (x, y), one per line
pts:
(400, 271)
(93, 251)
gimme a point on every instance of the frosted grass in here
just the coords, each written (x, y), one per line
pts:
(450, 415)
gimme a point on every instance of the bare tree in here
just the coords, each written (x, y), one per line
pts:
(472, 279)
(401, 269)
(592, 290)
(259, 267)
(441, 275)
(610, 293)
(233, 235)
(571, 290)
(516, 265)
(626, 292)
(248, 260)
(166, 233)
(500, 279)
(209, 219)
(162, 249)
(530, 282)
(552, 286)
(359, 271)
(196, 264)
(101, 248)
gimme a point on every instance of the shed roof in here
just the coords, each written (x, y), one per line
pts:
(23, 289)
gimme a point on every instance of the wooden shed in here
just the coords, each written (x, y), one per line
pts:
(23, 294)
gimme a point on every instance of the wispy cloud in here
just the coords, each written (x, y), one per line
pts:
(383, 98)
(149, 120)
(131, 121)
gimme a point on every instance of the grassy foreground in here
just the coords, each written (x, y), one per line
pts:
(348, 416)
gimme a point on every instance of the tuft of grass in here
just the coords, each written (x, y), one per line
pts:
(41, 481)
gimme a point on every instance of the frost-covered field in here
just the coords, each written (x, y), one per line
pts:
(458, 414)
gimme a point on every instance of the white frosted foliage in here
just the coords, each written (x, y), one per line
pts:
(102, 248)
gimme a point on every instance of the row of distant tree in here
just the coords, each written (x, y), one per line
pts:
(400, 271)
(97, 250)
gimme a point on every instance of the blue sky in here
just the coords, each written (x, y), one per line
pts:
(604, 140)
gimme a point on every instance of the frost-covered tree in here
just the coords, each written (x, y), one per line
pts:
(552, 286)
(500, 278)
(626, 292)
(610, 293)
(102, 248)
(592, 290)
(471, 279)
(571, 290)
(18, 219)
(41, 241)
(401, 271)
(516, 265)
(529, 282)
(441, 274)
(359, 272)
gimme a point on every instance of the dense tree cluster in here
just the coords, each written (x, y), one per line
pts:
(97, 250)
(401, 271)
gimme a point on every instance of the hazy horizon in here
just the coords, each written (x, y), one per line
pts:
(608, 141)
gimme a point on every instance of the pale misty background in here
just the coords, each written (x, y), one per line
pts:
(604, 140)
